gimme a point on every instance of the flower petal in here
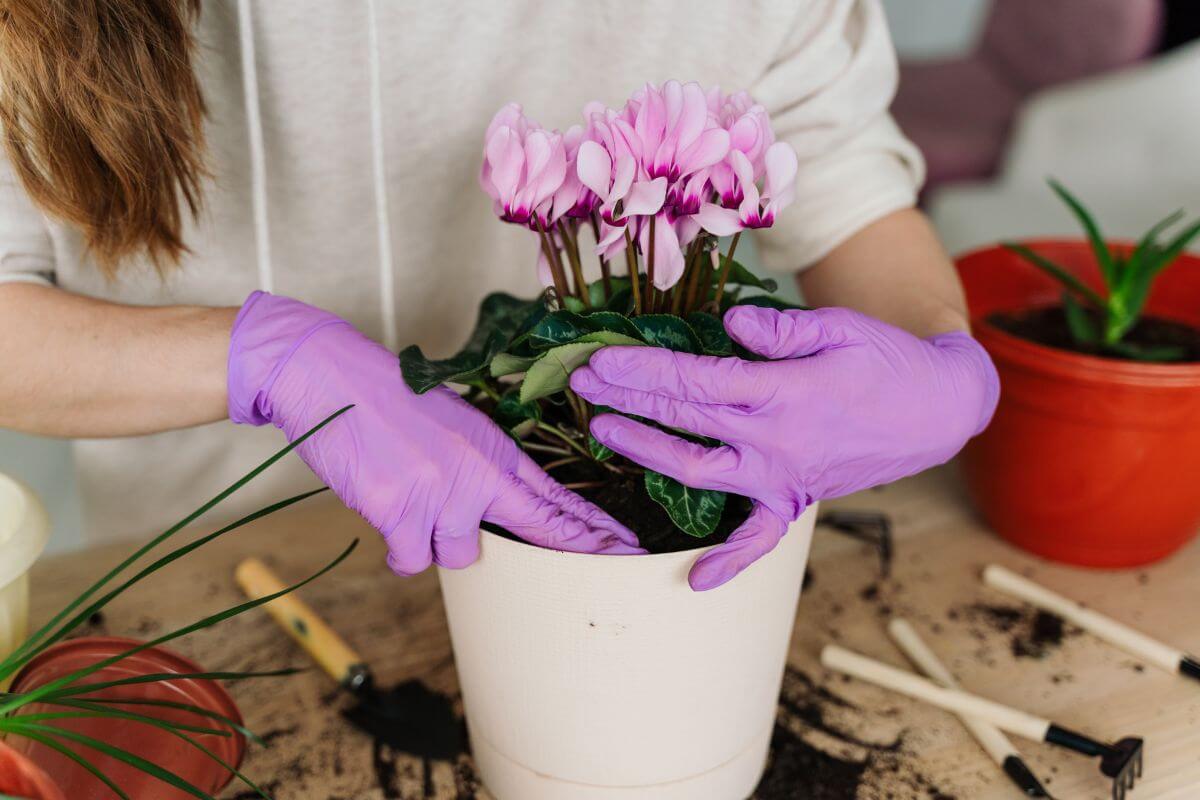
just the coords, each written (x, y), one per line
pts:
(593, 165)
(506, 159)
(646, 197)
(668, 256)
(708, 149)
(719, 221)
(782, 165)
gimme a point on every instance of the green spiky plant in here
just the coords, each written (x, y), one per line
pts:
(1102, 322)
(520, 357)
(71, 694)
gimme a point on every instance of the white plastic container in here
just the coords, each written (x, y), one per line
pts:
(607, 677)
(24, 529)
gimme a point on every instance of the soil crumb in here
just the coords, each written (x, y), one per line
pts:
(1031, 634)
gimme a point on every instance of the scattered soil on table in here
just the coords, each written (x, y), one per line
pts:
(799, 770)
(1032, 634)
(1048, 326)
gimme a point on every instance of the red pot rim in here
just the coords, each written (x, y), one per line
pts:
(1064, 363)
(207, 694)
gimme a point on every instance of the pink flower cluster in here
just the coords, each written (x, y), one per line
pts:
(690, 160)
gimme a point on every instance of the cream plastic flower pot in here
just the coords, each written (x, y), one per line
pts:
(24, 529)
(599, 677)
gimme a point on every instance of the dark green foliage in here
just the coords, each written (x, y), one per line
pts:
(535, 349)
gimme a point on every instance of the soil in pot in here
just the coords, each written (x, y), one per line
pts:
(1048, 326)
(625, 498)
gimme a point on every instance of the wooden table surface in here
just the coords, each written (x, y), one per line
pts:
(849, 739)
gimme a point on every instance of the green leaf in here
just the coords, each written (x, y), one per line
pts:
(596, 290)
(574, 304)
(611, 337)
(8, 704)
(135, 761)
(767, 301)
(508, 364)
(696, 512)
(558, 327)
(621, 301)
(552, 371)
(71, 755)
(664, 330)
(715, 340)
(501, 319)
(1080, 324)
(1104, 258)
(505, 316)
(612, 321)
(422, 374)
(519, 418)
(1152, 353)
(739, 275)
(191, 709)
(1059, 274)
(598, 449)
(34, 645)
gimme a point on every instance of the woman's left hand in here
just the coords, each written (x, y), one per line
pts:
(847, 402)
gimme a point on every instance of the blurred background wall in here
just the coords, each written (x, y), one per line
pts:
(999, 94)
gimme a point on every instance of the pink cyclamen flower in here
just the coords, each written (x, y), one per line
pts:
(750, 132)
(756, 210)
(524, 166)
(677, 134)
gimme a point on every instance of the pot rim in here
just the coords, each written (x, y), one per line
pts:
(1078, 367)
(660, 558)
(219, 700)
(24, 542)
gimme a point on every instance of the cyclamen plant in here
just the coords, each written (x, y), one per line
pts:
(657, 185)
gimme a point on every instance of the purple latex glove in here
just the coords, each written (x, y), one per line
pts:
(423, 469)
(850, 402)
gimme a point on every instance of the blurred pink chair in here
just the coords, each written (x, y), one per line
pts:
(959, 111)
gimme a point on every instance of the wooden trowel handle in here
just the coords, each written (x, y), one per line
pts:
(311, 632)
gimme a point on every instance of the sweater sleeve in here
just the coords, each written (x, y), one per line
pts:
(828, 93)
(26, 252)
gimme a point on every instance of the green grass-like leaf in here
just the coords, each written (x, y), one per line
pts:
(1082, 290)
(1104, 257)
(70, 754)
(33, 645)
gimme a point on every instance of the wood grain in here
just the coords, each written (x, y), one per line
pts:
(907, 750)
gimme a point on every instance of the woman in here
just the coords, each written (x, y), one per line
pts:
(166, 160)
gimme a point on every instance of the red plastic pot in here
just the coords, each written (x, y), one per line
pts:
(20, 777)
(1091, 461)
(152, 744)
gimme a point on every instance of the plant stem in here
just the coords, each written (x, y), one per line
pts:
(691, 274)
(545, 448)
(631, 261)
(605, 273)
(572, 247)
(583, 485)
(556, 270)
(725, 269)
(649, 302)
(574, 445)
(561, 462)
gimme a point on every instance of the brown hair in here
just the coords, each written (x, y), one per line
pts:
(103, 119)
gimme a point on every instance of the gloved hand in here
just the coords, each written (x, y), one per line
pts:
(423, 469)
(852, 402)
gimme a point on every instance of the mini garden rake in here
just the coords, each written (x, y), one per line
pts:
(1121, 761)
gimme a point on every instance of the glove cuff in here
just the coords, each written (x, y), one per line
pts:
(266, 333)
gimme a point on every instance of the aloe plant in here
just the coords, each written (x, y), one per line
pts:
(71, 695)
(1103, 321)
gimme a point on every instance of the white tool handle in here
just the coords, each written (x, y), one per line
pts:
(1093, 622)
(990, 738)
(955, 700)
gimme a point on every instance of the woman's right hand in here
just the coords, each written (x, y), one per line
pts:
(423, 469)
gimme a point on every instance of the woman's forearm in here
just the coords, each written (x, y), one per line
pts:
(894, 270)
(79, 367)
